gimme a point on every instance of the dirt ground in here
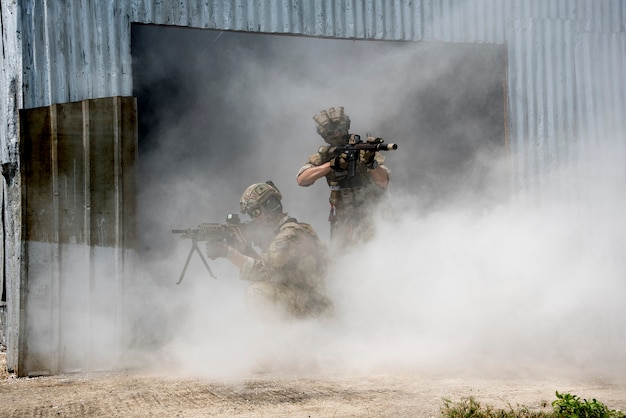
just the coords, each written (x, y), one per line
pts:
(136, 394)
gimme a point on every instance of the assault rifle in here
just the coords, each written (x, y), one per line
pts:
(231, 233)
(355, 144)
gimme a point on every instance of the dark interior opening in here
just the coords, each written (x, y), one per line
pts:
(219, 110)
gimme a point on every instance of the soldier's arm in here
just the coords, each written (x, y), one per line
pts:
(236, 257)
(380, 176)
(308, 175)
(250, 268)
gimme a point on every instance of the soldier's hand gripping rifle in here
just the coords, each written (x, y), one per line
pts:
(231, 233)
(352, 150)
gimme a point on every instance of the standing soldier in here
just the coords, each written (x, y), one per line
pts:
(352, 197)
(289, 276)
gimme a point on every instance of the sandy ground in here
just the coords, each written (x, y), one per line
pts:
(136, 394)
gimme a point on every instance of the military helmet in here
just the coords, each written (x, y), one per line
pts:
(333, 125)
(260, 195)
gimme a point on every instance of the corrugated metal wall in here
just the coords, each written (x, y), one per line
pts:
(566, 62)
(553, 46)
(78, 179)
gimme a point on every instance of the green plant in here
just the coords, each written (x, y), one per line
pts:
(565, 406)
(572, 406)
(470, 408)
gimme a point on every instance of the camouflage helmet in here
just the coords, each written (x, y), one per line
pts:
(260, 195)
(332, 124)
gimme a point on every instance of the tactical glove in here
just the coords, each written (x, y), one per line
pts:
(340, 162)
(215, 249)
(368, 157)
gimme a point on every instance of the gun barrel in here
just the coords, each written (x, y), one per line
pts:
(387, 147)
(375, 147)
(179, 231)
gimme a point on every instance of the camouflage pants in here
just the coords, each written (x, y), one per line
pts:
(275, 300)
(350, 218)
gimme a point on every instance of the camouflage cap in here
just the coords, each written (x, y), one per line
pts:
(331, 120)
(257, 195)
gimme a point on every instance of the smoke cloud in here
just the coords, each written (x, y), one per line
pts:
(465, 275)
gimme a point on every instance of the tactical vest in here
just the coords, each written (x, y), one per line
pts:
(347, 191)
(312, 254)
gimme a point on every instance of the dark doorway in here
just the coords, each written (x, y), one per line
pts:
(220, 110)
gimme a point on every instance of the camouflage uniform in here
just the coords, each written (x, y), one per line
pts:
(351, 199)
(289, 277)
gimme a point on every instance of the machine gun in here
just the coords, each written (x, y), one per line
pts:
(355, 144)
(231, 233)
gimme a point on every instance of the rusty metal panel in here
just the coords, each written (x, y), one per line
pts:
(36, 125)
(74, 158)
(110, 155)
(78, 220)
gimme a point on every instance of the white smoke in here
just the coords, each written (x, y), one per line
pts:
(462, 276)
